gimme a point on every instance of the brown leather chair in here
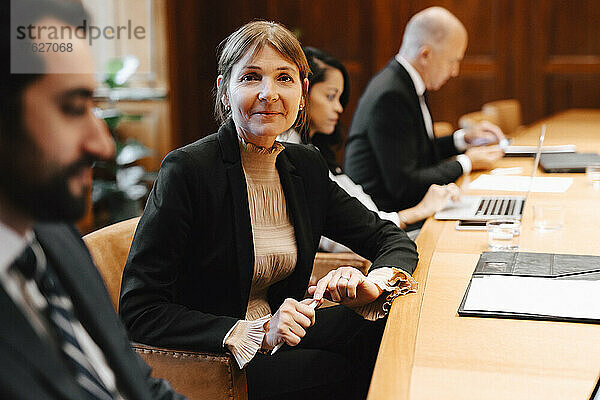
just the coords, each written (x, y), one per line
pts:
(507, 112)
(198, 375)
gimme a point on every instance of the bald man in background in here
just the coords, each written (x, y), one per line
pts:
(391, 149)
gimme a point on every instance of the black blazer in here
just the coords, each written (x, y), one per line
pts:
(189, 271)
(388, 151)
(31, 369)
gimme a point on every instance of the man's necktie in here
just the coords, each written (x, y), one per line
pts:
(426, 115)
(59, 313)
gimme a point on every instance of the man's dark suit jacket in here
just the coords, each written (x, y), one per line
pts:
(388, 151)
(190, 267)
(32, 369)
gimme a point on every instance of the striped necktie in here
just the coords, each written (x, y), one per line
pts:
(61, 318)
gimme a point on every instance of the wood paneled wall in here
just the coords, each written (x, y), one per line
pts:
(545, 53)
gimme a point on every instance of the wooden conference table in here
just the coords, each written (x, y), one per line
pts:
(429, 352)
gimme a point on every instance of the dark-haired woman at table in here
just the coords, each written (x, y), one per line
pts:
(329, 90)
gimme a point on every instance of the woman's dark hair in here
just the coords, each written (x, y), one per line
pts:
(319, 62)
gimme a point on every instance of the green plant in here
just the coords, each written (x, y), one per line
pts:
(119, 70)
(119, 185)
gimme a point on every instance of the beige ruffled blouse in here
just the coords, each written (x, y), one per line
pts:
(275, 254)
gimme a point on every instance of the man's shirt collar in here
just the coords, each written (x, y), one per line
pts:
(413, 73)
(11, 246)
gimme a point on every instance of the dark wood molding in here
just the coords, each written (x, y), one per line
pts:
(544, 53)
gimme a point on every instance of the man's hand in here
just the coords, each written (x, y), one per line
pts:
(288, 325)
(484, 157)
(483, 133)
(345, 285)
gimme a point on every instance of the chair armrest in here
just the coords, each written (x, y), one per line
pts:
(197, 375)
(325, 262)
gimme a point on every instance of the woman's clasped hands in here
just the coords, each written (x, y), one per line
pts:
(344, 285)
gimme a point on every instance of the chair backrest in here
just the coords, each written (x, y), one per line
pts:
(198, 375)
(325, 262)
(475, 117)
(109, 248)
(507, 112)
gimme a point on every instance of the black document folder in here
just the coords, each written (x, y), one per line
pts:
(538, 265)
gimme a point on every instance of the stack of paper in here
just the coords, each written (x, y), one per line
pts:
(521, 183)
(537, 296)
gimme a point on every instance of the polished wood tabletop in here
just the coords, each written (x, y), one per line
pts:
(429, 352)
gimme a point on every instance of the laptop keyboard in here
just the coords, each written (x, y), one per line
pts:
(499, 206)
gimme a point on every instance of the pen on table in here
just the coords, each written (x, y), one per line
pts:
(314, 305)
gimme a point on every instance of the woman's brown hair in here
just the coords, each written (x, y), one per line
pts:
(253, 37)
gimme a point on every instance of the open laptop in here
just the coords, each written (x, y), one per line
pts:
(596, 393)
(483, 208)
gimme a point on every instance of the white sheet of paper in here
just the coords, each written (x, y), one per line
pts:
(507, 171)
(521, 183)
(542, 296)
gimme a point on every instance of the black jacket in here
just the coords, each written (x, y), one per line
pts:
(388, 151)
(189, 271)
(32, 369)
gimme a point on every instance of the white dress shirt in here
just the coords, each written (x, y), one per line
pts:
(458, 136)
(354, 190)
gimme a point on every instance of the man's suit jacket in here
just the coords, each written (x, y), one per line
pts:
(30, 368)
(190, 267)
(388, 151)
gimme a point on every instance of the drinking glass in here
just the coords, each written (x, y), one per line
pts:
(548, 217)
(503, 234)
(593, 175)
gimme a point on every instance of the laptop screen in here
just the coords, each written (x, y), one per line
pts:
(536, 161)
(596, 392)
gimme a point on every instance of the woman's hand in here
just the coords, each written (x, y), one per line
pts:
(437, 197)
(288, 325)
(345, 285)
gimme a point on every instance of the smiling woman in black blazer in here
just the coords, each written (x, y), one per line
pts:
(224, 250)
